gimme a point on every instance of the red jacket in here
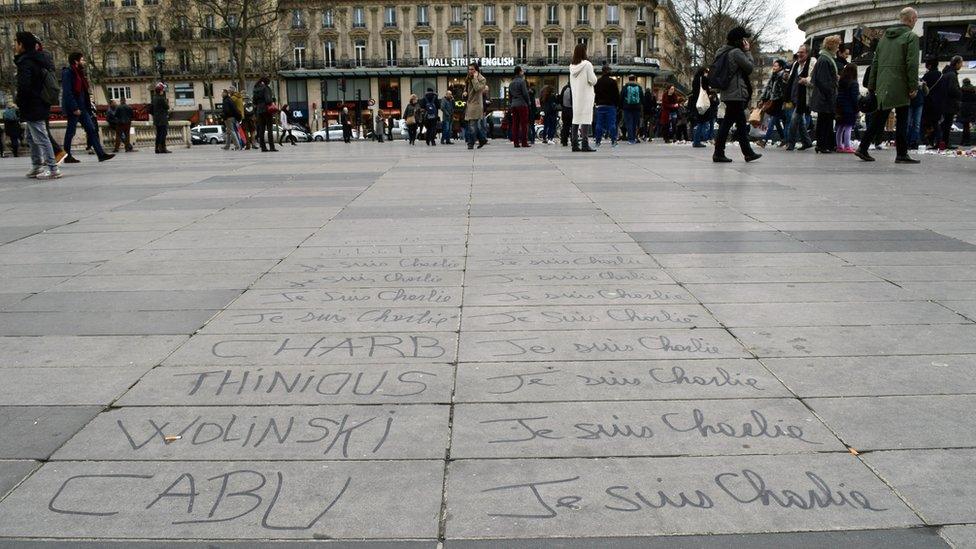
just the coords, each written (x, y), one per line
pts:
(669, 103)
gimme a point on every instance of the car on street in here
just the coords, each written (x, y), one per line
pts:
(200, 135)
(300, 134)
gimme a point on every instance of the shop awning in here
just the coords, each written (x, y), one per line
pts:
(360, 72)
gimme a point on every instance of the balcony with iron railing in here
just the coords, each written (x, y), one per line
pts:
(40, 8)
(130, 36)
(415, 62)
(181, 34)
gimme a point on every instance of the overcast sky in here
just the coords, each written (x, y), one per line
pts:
(792, 9)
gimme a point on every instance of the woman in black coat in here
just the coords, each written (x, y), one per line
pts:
(823, 95)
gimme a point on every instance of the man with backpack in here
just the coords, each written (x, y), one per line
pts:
(631, 100)
(431, 107)
(76, 103)
(36, 92)
(729, 74)
(228, 110)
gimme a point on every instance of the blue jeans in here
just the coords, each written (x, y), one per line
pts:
(631, 119)
(549, 125)
(446, 131)
(798, 130)
(42, 153)
(476, 130)
(914, 126)
(775, 122)
(702, 132)
(606, 122)
(91, 132)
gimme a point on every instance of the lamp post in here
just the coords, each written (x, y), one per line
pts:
(159, 53)
(467, 16)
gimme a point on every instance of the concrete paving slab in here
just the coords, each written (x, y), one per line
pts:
(643, 380)
(158, 300)
(394, 296)
(899, 422)
(12, 472)
(359, 279)
(927, 339)
(334, 319)
(70, 386)
(730, 275)
(563, 261)
(102, 322)
(215, 544)
(293, 385)
(150, 500)
(718, 495)
(96, 351)
(314, 349)
(595, 317)
(800, 292)
(686, 428)
(309, 251)
(279, 433)
(962, 536)
(833, 314)
(297, 264)
(35, 432)
(938, 484)
(876, 375)
(598, 345)
(592, 294)
(565, 276)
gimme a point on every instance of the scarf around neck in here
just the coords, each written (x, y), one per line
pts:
(81, 83)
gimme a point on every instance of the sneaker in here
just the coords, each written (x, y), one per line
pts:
(59, 157)
(32, 174)
(47, 173)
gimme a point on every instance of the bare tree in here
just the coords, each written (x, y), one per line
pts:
(239, 22)
(707, 22)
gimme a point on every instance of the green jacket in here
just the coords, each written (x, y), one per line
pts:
(894, 70)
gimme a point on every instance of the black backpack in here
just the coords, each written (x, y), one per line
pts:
(720, 73)
(430, 107)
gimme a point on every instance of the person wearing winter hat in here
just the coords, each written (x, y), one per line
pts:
(34, 110)
(736, 95)
(160, 116)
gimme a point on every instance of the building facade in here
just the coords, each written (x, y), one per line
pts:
(326, 54)
(946, 27)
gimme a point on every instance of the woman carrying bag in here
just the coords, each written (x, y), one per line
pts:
(410, 117)
(823, 94)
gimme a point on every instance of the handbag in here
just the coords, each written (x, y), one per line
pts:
(868, 103)
(273, 108)
(755, 118)
(766, 106)
(702, 104)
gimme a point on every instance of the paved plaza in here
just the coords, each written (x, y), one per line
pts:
(383, 346)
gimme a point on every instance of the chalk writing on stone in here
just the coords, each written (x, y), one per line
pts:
(234, 496)
(378, 382)
(742, 488)
(365, 346)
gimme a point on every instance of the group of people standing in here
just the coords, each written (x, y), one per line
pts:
(826, 85)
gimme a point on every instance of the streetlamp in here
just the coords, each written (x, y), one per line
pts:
(467, 16)
(159, 53)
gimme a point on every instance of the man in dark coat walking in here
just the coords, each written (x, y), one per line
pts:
(32, 69)
(263, 99)
(76, 103)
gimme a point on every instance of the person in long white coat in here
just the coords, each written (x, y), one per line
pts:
(582, 78)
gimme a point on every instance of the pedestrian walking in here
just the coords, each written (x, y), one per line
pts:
(700, 107)
(631, 100)
(582, 79)
(285, 126)
(431, 107)
(950, 79)
(123, 124)
(823, 94)
(36, 91)
(160, 116)
(411, 114)
(376, 119)
(848, 95)
(606, 98)
(796, 87)
(936, 96)
(346, 123)
(228, 110)
(668, 115)
(519, 99)
(76, 103)
(11, 128)
(447, 118)
(967, 110)
(731, 72)
(475, 89)
(893, 79)
(265, 109)
(772, 98)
